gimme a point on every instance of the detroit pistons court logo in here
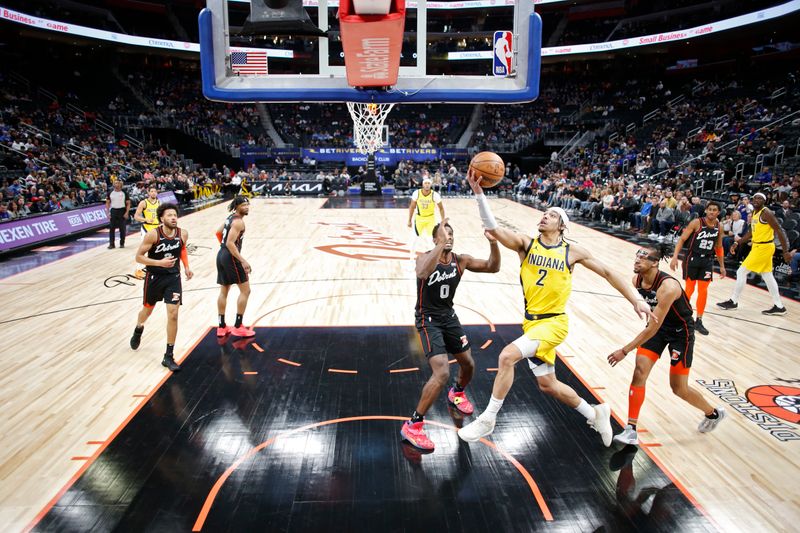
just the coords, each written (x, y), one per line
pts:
(779, 401)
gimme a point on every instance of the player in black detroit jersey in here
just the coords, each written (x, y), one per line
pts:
(159, 252)
(438, 273)
(232, 268)
(672, 327)
(705, 241)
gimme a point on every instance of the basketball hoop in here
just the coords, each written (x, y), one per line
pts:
(368, 122)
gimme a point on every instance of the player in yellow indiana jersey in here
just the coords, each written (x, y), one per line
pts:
(546, 264)
(763, 228)
(146, 213)
(422, 213)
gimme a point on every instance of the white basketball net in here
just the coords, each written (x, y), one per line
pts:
(368, 122)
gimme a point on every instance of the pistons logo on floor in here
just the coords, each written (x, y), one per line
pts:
(779, 401)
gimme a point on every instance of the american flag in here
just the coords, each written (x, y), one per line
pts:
(249, 63)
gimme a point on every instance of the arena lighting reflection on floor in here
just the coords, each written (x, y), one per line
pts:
(335, 461)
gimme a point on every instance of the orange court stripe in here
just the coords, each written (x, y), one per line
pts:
(287, 362)
(80, 458)
(651, 444)
(492, 327)
(96, 454)
(340, 371)
(249, 373)
(95, 442)
(212, 493)
(257, 347)
(486, 344)
(398, 370)
(140, 395)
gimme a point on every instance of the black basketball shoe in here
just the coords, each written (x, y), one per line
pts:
(728, 305)
(699, 327)
(170, 363)
(136, 338)
(774, 310)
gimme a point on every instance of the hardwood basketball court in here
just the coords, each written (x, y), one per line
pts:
(98, 436)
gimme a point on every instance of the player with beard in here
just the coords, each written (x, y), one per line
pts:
(159, 252)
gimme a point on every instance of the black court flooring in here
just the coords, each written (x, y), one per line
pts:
(298, 430)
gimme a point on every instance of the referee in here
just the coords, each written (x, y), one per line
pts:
(117, 206)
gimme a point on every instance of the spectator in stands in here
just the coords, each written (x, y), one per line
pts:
(69, 202)
(22, 208)
(745, 208)
(698, 209)
(683, 215)
(665, 219)
(733, 229)
(4, 214)
(608, 202)
(13, 209)
(785, 210)
(672, 202)
(628, 205)
(637, 220)
(53, 204)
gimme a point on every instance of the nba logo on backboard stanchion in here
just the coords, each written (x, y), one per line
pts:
(503, 52)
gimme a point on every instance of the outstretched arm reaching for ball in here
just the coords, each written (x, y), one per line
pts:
(467, 262)
(510, 239)
(581, 255)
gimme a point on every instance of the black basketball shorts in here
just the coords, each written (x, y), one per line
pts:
(230, 270)
(681, 348)
(698, 268)
(441, 335)
(162, 287)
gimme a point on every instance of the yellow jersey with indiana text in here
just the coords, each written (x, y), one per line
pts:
(546, 278)
(426, 204)
(762, 233)
(150, 212)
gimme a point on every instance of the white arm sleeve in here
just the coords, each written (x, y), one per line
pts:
(486, 214)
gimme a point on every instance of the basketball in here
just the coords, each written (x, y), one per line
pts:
(490, 167)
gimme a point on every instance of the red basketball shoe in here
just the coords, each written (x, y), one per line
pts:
(243, 331)
(414, 433)
(459, 399)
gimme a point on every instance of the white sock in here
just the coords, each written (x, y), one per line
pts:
(772, 286)
(741, 280)
(585, 409)
(493, 408)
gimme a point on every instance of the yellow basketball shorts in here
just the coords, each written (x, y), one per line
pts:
(550, 332)
(423, 226)
(760, 258)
